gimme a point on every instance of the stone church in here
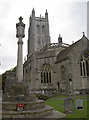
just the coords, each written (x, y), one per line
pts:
(52, 67)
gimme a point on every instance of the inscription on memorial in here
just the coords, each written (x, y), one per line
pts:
(19, 91)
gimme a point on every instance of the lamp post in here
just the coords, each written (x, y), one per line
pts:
(20, 34)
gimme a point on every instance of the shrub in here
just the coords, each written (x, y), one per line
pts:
(42, 97)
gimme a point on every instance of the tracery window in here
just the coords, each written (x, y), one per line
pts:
(84, 65)
(46, 74)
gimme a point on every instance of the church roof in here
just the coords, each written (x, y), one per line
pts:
(64, 54)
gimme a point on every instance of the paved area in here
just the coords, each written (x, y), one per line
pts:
(56, 115)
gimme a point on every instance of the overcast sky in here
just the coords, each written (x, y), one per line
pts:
(66, 18)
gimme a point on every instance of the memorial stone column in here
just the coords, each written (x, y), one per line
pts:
(20, 34)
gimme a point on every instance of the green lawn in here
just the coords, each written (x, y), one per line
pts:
(58, 105)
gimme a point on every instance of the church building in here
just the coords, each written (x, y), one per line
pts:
(52, 67)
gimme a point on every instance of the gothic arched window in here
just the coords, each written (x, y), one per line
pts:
(87, 67)
(81, 68)
(84, 68)
(46, 74)
(41, 77)
(84, 65)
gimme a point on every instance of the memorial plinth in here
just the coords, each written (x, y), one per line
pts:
(32, 107)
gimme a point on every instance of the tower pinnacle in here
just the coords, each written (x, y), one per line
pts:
(33, 13)
(60, 39)
(46, 15)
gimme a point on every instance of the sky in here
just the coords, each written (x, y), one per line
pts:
(66, 18)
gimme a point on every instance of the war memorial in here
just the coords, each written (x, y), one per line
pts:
(19, 103)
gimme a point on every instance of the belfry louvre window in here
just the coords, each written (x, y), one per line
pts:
(46, 74)
(84, 65)
(43, 29)
(38, 29)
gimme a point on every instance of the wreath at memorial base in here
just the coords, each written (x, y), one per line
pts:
(20, 107)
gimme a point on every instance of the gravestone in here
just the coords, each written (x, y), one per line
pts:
(83, 92)
(79, 104)
(69, 105)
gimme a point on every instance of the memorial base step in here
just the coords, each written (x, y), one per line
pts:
(28, 114)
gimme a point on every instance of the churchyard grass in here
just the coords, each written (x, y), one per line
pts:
(58, 104)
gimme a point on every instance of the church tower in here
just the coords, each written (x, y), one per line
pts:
(38, 32)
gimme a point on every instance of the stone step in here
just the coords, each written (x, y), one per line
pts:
(8, 98)
(11, 106)
(28, 114)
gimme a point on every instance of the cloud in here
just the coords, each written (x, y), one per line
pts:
(70, 22)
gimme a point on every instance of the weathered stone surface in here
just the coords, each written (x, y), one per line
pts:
(19, 89)
(12, 106)
(10, 80)
(57, 55)
(28, 114)
(69, 105)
